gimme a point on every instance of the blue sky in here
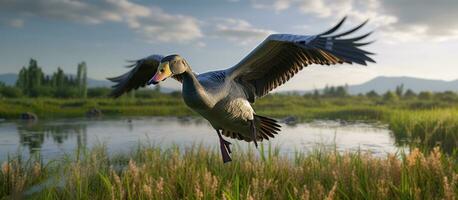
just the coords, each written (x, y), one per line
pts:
(414, 38)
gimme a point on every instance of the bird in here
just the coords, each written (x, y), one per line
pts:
(225, 97)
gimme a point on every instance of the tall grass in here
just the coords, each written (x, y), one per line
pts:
(198, 173)
(426, 129)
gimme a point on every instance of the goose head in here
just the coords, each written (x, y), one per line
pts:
(169, 66)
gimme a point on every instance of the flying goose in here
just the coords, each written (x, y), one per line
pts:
(224, 97)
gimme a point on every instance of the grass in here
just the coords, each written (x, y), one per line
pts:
(419, 123)
(197, 172)
(67, 108)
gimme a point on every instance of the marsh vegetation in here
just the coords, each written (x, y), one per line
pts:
(196, 172)
(427, 123)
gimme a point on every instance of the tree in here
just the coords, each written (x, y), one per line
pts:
(426, 95)
(341, 91)
(316, 93)
(58, 78)
(372, 94)
(390, 96)
(22, 81)
(34, 78)
(400, 90)
(410, 94)
(81, 79)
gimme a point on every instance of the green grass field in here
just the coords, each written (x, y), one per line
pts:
(195, 172)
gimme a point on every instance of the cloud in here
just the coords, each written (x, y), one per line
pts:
(396, 20)
(238, 30)
(157, 25)
(16, 23)
(428, 20)
(151, 22)
(276, 5)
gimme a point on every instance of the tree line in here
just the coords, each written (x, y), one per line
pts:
(33, 82)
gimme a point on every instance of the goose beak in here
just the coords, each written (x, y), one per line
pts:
(152, 81)
(163, 72)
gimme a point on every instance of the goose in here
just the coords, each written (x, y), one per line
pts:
(224, 97)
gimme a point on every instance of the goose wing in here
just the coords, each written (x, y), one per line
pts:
(142, 71)
(281, 56)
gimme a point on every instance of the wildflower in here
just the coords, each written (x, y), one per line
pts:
(147, 191)
(305, 193)
(133, 168)
(414, 156)
(211, 182)
(434, 160)
(160, 186)
(417, 193)
(319, 190)
(6, 168)
(198, 192)
(448, 190)
(332, 193)
(382, 189)
(36, 169)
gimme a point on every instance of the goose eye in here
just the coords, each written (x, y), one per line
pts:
(162, 70)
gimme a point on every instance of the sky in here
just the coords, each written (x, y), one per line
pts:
(417, 38)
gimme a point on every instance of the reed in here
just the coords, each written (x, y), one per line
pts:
(196, 172)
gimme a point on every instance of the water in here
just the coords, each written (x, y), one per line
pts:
(57, 137)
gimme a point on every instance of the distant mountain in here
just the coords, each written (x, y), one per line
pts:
(10, 79)
(382, 84)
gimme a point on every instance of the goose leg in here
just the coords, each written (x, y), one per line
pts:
(225, 148)
(253, 132)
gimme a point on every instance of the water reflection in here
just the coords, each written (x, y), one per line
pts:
(33, 134)
(56, 137)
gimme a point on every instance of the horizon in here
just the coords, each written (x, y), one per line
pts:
(106, 33)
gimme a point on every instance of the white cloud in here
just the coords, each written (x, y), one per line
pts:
(276, 5)
(151, 22)
(395, 20)
(239, 31)
(156, 25)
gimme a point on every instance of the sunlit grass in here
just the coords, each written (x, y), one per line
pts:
(196, 172)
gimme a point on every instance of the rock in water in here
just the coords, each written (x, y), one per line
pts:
(29, 116)
(94, 112)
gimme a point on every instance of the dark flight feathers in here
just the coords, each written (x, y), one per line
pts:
(281, 56)
(142, 71)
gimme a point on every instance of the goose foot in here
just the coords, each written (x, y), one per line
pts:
(225, 148)
(253, 132)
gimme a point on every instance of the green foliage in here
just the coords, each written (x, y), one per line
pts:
(98, 92)
(33, 83)
(372, 94)
(426, 95)
(410, 94)
(82, 79)
(400, 90)
(339, 91)
(10, 92)
(390, 97)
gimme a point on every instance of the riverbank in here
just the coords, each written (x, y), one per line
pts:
(419, 123)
